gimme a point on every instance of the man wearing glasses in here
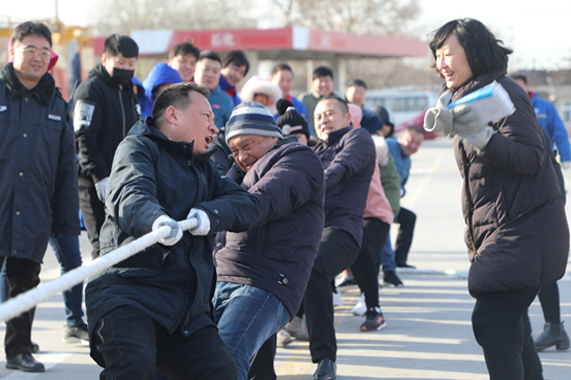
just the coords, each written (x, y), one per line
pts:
(38, 180)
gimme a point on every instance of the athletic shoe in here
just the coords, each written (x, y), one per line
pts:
(346, 279)
(374, 320)
(391, 278)
(75, 334)
(337, 299)
(298, 329)
(360, 308)
(283, 338)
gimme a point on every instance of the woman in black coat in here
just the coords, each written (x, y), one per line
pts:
(517, 233)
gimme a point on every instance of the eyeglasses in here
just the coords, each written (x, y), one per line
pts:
(32, 52)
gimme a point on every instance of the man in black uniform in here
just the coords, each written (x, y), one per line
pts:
(105, 109)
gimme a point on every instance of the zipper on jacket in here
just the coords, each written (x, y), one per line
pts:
(122, 113)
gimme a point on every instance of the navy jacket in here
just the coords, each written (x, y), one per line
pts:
(153, 176)
(349, 161)
(38, 175)
(276, 254)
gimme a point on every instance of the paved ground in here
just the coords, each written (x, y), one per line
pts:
(428, 333)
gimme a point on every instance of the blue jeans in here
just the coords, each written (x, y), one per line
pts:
(246, 317)
(67, 252)
(388, 256)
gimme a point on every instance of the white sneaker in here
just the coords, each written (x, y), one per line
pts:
(337, 299)
(360, 308)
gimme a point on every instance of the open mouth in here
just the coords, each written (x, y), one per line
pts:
(209, 139)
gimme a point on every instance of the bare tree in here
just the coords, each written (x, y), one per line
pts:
(123, 16)
(382, 17)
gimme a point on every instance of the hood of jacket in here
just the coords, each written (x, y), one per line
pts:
(160, 74)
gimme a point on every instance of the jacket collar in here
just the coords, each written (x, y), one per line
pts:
(100, 71)
(45, 89)
(335, 136)
(476, 84)
(177, 148)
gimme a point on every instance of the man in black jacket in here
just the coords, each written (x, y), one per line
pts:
(105, 109)
(152, 310)
(38, 179)
(348, 157)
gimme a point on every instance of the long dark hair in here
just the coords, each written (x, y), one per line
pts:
(485, 53)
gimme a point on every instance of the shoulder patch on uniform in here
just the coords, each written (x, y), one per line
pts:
(83, 114)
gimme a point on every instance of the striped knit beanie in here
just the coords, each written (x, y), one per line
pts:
(251, 118)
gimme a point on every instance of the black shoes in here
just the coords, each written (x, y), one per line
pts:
(553, 335)
(325, 370)
(405, 265)
(77, 333)
(25, 362)
(391, 278)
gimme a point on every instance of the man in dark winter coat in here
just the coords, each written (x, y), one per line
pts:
(38, 180)
(348, 158)
(105, 109)
(262, 273)
(153, 309)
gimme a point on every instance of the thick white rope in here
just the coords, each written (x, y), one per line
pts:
(25, 301)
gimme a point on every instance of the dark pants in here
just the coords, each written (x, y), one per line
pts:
(22, 275)
(337, 252)
(132, 344)
(549, 299)
(262, 365)
(375, 233)
(93, 211)
(501, 326)
(406, 220)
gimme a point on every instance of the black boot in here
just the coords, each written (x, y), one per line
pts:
(553, 335)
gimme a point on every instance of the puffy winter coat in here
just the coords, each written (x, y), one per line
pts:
(277, 253)
(517, 232)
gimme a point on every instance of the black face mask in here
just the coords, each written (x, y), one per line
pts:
(122, 77)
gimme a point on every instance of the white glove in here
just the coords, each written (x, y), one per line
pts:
(202, 222)
(101, 188)
(439, 118)
(566, 164)
(467, 126)
(176, 231)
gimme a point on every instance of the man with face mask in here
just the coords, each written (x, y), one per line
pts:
(105, 109)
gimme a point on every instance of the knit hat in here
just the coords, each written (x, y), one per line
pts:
(290, 121)
(251, 118)
(259, 86)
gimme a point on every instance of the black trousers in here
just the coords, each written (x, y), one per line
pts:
(132, 344)
(501, 326)
(549, 300)
(375, 233)
(22, 275)
(93, 211)
(338, 250)
(406, 220)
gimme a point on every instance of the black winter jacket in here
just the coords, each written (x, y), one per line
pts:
(102, 115)
(517, 233)
(348, 159)
(38, 167)
(276, 254)
(153, 176)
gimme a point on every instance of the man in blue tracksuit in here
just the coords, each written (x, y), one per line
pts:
(550, 122)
